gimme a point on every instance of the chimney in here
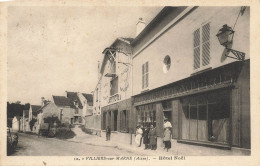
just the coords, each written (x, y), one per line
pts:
(139, 26)
(43, 101)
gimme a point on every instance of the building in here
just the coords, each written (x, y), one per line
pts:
(33, 111)
(87, 101)
(68, 112)
(112, 95)
(182, 73)
(33, 116)
(25, 121)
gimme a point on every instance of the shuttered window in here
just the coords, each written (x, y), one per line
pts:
(145, 75)
(196, 49)
(201, 46)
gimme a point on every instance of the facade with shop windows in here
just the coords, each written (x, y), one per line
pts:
(182, 73)
(112, 96)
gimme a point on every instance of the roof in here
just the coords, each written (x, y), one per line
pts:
(89, 98)
(35, 108)
(158, 20)
(43, 107)
(62, 101)
(73, 96)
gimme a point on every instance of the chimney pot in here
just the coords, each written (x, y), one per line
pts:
(140, 26)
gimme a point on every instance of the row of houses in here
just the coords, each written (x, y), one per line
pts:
(176, 68)
(73, 108)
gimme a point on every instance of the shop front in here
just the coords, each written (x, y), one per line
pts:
(211, 108)
(206, 117)
(116, 116)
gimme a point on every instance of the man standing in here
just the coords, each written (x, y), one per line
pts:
(108, 133)
(153, 138)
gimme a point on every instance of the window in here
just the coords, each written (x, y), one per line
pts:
(146, 115)
(206, 117)
(201, 46)
(145, 75)
(76, 111)
(114, 86)
(166, 64)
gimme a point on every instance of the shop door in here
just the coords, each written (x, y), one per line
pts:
(115, 120)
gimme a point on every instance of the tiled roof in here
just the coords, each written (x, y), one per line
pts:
(62, 101)
(73, 96)
(89, 98)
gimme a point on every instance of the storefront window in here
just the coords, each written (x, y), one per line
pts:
(146, 115)
(206, 117)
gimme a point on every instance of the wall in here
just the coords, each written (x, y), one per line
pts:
(123, 72)
(50, 110)
(241, 133)
(177, 42)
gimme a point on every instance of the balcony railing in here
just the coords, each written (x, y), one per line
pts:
(114, 98)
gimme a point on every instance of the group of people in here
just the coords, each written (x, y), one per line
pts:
(149, 136)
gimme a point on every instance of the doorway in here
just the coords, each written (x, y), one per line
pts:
(115, 119)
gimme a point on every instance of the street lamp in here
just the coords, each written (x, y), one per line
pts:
(225, 36)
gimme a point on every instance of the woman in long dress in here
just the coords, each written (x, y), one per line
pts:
(138, 136)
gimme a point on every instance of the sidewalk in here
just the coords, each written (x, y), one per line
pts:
(177, 148)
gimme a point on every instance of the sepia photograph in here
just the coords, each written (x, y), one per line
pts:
(116, 82)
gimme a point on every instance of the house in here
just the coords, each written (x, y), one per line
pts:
(33, 116)
(16, 123)
(74, 98)
(182, 73)
(87, 101)
(25, 121)
(112, 95)
(33, 111)
(66, 108)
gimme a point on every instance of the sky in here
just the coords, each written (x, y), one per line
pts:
(56, 49)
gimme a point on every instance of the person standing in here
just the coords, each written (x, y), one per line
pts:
(108, 133)
(138, 135)
(167, 138)
(146, 140)
(141, 126)
(153, 137)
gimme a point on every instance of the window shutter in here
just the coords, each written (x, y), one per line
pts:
(196, 48)
(206, 44)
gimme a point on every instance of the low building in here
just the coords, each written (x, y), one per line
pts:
(25, 122)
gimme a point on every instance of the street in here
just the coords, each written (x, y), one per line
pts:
(31, 145)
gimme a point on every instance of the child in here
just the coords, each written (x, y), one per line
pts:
(167, 138)
(108, 133)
